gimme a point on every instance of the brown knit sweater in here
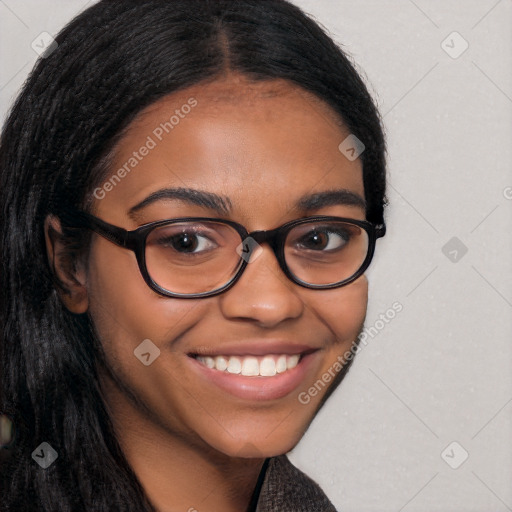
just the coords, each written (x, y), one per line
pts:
(287, 489)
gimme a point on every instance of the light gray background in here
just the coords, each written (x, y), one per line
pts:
(440, 371)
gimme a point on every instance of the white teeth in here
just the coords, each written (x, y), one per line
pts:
(292, 361)
(281, 364)
(252, 366)
(234, 365)
(221, 363)
(267, 367)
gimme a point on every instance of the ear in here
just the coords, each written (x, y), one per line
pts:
(70, 273)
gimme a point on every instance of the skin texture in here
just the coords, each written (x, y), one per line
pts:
(263, 145)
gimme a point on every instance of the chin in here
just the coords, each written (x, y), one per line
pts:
(275, 439)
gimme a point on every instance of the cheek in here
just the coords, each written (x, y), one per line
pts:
(124, 310)
(343, 309)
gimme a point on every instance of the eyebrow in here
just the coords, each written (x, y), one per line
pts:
(330, 198)
(222, 205)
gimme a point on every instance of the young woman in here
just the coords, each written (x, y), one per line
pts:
(191, 192)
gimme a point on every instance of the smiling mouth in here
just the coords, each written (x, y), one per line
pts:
(251, 366)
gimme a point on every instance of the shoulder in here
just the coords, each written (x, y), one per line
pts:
(287, 489)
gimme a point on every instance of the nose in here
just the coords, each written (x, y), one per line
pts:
(263, 293)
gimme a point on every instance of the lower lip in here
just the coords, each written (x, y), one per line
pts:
(257, 388)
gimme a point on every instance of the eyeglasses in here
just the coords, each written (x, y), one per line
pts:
(194, 257)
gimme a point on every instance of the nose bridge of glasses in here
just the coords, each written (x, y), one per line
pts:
(270, 236)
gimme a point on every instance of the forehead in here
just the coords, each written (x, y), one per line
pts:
(248, 140)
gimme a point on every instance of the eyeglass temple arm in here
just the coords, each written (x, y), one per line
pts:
(78, 219)
(380, 230)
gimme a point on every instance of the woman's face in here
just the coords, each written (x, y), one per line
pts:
(262, 147)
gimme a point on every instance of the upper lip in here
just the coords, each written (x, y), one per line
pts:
(254, 348)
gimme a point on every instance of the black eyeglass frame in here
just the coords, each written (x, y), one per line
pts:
(135, 240)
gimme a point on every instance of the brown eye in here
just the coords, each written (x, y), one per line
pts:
(325, 240)
(185, 242)
(193, 239)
